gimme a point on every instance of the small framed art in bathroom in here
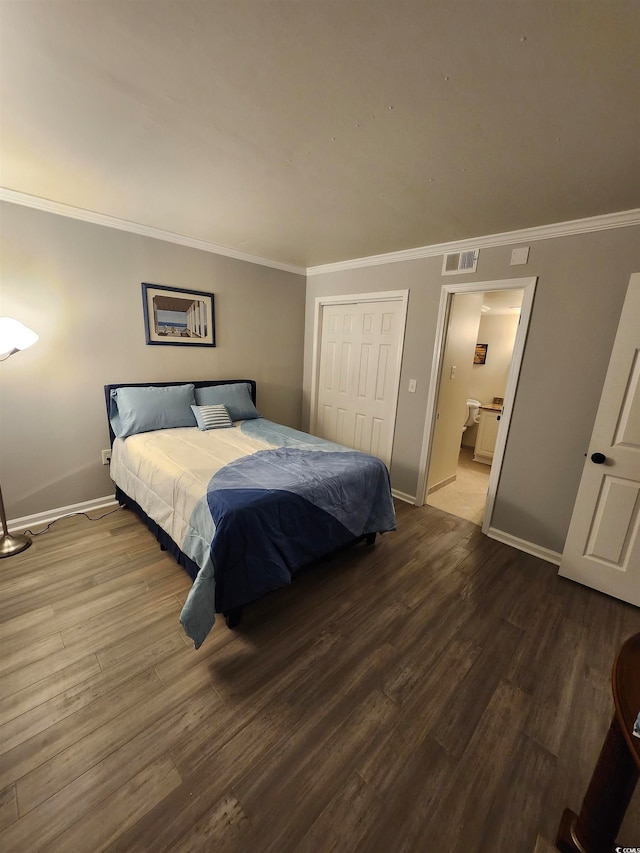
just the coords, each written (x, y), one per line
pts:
(480, 356)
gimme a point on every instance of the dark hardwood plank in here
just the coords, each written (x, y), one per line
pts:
(591, 709)
(345, 819)
(437, 688)
(458, 720)
(143, 644)
(466, 798)
(35, 694)
(220, 829)
(533, 653)
(116, 813)
(70, 787)
(11, 630)
(109, 627)
(8, 807)
(421, 698)
(307, 768)
(168, 711)
(45, 669)
(407, 806)
(523, 793)
(18, 658)
(59, 589)
(549, 715)
(205, 787)
(88, 703)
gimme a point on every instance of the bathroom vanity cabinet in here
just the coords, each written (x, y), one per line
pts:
(487, 434)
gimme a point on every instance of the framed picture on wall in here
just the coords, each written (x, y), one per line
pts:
(480, 356)
(178, 317)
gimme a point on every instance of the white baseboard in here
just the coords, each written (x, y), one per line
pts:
(17, 524)
(50, 515)
(523, 545)
(402, 496)
(442, 484)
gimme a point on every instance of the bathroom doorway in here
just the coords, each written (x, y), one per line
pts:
(482, 330)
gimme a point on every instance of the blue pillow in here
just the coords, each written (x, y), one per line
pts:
(133, 410)
(212, 417)
(236, 397)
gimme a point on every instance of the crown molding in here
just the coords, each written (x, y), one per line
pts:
(605, 222)
(26, 200)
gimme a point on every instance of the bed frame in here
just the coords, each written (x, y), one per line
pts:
(233, 617)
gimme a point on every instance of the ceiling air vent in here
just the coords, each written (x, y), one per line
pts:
(459, 262)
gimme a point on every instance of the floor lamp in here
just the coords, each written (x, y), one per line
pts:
(14, 336)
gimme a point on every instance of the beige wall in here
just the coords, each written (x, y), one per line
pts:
(78, 286)
(462, 335)
(489, 380)
(582, 281)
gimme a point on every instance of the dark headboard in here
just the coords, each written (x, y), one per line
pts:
(198, 383)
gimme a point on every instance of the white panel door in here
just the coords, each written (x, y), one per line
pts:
(360, 351)
(603, 544)
(336, 369)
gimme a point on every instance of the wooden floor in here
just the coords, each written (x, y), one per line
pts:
(437, 692)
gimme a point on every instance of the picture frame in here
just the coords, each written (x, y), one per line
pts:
(175, 316)
(480, 356)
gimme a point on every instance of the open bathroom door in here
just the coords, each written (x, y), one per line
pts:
(603, 544)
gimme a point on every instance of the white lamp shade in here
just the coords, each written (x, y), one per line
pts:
(15, 335)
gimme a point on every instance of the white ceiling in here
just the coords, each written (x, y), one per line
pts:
(502, 301)
(315, 131)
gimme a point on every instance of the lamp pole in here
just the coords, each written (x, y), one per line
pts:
(10, 544)
(14, 336)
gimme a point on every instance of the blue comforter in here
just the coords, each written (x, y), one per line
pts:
(278, 509)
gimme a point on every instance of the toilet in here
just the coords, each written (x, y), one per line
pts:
(473, 413)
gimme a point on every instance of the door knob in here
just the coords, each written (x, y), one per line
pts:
(598, 458)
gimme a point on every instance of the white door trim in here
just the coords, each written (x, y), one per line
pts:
(446, 294)
(401, 296)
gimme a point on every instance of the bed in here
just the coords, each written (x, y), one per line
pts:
(241, 502)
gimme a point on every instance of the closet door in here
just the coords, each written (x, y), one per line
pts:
(359, 367)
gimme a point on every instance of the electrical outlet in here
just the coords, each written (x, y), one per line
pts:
(106, 456)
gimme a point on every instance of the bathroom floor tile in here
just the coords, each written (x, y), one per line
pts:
(466, 496)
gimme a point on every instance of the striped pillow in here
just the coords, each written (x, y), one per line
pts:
(212, 417)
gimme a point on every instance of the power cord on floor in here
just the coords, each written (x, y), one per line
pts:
(70, 515)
